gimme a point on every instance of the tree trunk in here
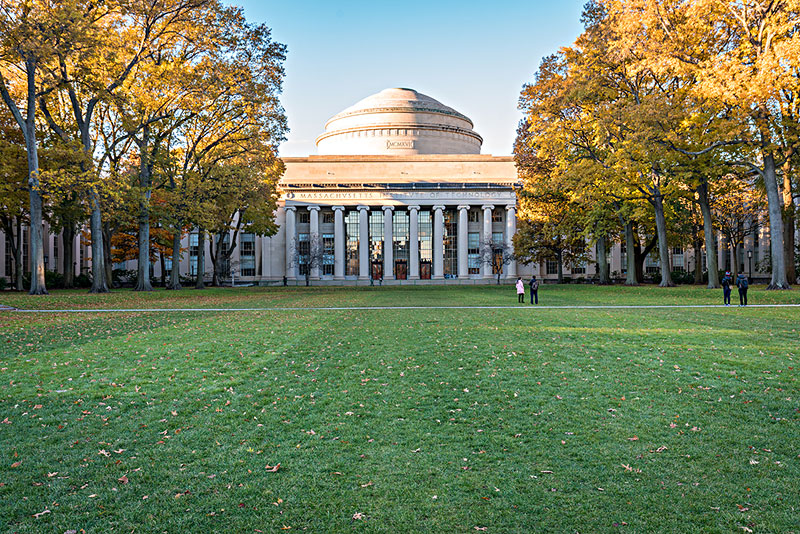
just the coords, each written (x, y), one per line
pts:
(215, 259)
(663, 247)
(630, 256)
(19, 269)
(163, 269)
(708, 231)
(99, 279)
(143, 263)
(36, 253)
(108, 263)
(698, 263)
(732, 251)
(778, 280)
(560, 267)
(788, 225)
(602, 261)
(68, 239)
(201, 259)
(175, 274)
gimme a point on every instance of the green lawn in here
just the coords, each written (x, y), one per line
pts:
(518, 420)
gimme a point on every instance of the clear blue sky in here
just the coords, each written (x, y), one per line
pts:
(472, 56)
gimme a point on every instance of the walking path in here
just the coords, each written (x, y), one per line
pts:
(349, 308)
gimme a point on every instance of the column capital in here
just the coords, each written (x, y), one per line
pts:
(384, 208)
(463, 207)
(415, 207)
(437, 208)
(313, 208)
(337, 208)
(290, 208)
(511, 207)
(362, 208)
(487, 207)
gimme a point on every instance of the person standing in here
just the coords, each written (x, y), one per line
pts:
(520, 291)
(726, 288)
(741, 283)
(534, 283)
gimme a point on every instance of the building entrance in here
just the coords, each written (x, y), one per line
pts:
(425, 270)
(401, 269)
(377, 270)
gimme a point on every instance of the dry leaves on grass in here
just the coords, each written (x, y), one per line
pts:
(272, 468)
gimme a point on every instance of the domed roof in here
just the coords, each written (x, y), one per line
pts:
(399, 121)
(397, 99)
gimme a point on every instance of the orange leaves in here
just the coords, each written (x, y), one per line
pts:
(272, 468)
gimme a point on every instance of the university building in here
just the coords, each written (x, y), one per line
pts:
(399, 193)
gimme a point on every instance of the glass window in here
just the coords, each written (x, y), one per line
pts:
(303, 217)
(474, 253)
(450, 237)
(497, 238)
(303, 251)
(425, 236)
(247, 254)
(551, 267)
(351, 247)
(651, 265)
(497, 216)
(376, 235)
(327, 254)
(474, 216)
(580, 269)
(400, 236)
(327, 217)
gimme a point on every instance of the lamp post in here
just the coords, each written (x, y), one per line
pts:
(749, 264)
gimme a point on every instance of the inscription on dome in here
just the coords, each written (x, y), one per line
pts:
(399, 144)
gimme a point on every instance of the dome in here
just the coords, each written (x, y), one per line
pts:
(399, 122)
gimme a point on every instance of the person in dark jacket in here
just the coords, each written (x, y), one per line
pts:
(726, 288)
(741, 283)
(534, 283)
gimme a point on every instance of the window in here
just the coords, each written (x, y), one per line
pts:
(651, 265)
(425, 236)
(303, 217)
(351, 246)
(450, 237)
(376, 236)
(167, 267)
(474, 253)
(474, 216)
(193, 244)
(303, 251)
(551, 267)
(497, 238)
(401, 236)
(327, 254)
(55, 253)
(497, 216)
(225, 266)
(9, 257)
(327, 217)
(678, 262)
(247, 254)
(579, 269)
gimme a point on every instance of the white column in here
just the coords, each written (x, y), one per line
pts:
(438, 243)
(290, 233)
(486, 267)
(338, 243)
(388, 243)
(462, 242)
(413, 251)
(363, 242)
(511, 229)
(314, 240)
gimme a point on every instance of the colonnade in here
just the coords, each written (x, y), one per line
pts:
(340, 237)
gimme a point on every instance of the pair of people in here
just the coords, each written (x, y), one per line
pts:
(741, 283)
(534, 283)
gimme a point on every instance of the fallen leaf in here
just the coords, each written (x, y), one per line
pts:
(40, 514)
(123, 479)
(273, 469)
(16, 464)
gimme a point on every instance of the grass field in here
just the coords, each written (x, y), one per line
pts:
(509, 420)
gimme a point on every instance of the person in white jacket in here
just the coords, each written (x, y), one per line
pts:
(520, 291)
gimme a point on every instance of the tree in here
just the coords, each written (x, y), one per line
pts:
(738, 207)
(308, 255)
(14, 199)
